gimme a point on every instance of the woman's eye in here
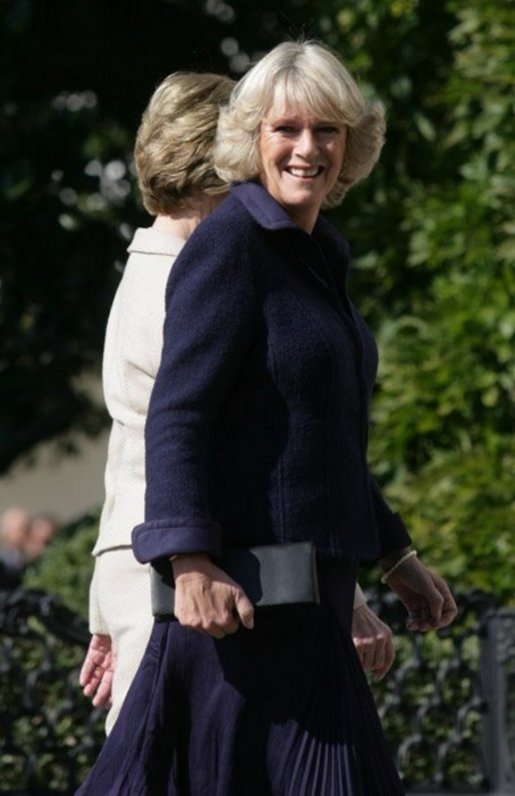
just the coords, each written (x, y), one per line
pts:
(328, 129)
(288, 129)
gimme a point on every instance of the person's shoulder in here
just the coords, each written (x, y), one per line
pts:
(227, 229)
(144, 280)
(148, 242)
(231, 216)
(218, 252)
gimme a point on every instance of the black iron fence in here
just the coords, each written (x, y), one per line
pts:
(48, 733)
(448, 706)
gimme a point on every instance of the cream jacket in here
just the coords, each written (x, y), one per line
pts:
(132, 353)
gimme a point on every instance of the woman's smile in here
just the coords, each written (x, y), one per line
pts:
(301, 158)
(299, 171)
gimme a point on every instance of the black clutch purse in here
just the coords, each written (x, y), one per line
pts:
(280, 574)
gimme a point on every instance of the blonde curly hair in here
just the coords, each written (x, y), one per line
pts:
(174, 145)
(299, 74)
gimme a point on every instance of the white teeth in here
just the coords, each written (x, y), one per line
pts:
(312, 172)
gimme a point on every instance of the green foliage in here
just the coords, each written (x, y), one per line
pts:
(445, 413)
(460, 506)
(63, 198)
(448, 373)
(66, 567)
(50, 734)
(71, 96)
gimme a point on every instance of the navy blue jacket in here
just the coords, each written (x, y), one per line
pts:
(257, 425)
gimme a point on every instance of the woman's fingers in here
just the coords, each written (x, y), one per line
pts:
(97, 670)
(425, 594)
(244, 609)
(209, 601)
(449, 608)
(373, 641)
(102, 695)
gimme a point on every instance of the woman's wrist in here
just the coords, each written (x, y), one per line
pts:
(185, 562)
(408, 552)
(390, 559)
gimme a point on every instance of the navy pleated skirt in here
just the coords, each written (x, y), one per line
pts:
(281, 710)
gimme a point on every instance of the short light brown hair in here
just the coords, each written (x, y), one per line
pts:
(299, 74)
(174, 144)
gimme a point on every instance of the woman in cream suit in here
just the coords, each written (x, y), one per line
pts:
(179, 188)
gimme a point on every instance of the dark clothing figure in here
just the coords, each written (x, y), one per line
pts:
(280, 385)
(284, 708)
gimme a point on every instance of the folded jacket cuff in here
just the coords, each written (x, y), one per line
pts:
(97, 627)
(164, 538)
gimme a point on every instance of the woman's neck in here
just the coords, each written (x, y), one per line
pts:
(182, 223)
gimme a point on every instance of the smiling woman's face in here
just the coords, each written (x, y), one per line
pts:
(301, 157)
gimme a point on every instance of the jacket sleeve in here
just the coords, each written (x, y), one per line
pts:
(210, 317)
(97, 622)
(393, 534)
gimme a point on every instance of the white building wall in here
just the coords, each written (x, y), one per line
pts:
(65, 486)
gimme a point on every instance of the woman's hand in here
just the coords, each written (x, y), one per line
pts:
(426, 596)
(373, 641)
(96, 674)
(207, 599)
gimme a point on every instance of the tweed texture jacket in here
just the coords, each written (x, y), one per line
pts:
(258, 420)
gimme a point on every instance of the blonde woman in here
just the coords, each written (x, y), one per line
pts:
(256, 434)
(179, 187)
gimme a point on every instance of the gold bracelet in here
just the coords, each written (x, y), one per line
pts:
(389, 573)
(387, 561)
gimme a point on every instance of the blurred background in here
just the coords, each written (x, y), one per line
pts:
(432, 233)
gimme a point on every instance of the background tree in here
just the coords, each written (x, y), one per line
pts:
(446, 413)
(75, 78)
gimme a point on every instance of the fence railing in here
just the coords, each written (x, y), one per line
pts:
(498, 677)
(448, 705)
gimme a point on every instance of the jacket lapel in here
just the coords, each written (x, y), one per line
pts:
(309, 251)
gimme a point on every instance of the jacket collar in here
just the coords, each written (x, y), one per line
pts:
(269, 214)
(148, 240)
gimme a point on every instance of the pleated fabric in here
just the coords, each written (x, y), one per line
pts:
(282, 710)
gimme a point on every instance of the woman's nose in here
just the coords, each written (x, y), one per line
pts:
(306, 142)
